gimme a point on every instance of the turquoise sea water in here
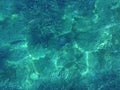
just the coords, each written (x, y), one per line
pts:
(59, 44)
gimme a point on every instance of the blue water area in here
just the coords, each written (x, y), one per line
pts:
(59, 44)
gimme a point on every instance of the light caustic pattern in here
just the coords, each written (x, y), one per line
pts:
(43, 61)
(87, 63)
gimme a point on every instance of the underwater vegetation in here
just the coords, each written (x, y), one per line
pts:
(59, 44)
